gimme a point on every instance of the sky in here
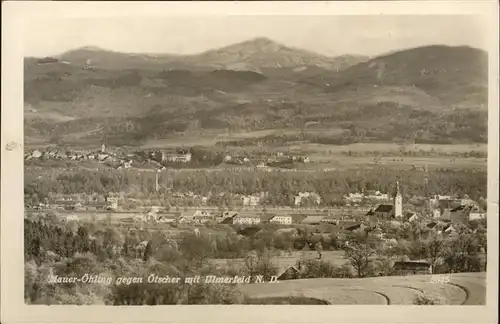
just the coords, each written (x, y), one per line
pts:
(327, 35)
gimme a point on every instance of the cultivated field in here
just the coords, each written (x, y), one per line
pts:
(342, 162)
(463, 289)
(389, 147)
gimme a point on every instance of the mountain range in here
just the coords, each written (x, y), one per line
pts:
(434, 93)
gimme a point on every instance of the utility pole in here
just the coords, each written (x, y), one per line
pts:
(157, 184)
(426, 193)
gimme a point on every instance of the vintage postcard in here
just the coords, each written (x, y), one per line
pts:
(273, 162)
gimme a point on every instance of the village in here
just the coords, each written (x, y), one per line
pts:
(360, 212)
(159, 160)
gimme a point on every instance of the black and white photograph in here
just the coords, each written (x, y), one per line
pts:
(256, 159)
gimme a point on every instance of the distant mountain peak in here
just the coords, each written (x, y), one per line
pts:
(262, 41)
(259, 44)
(93, 48)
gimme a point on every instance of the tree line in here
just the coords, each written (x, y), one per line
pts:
(280, 186)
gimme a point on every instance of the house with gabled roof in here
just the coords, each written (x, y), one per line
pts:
(290, 273)
(384, 211)
(359, 227)
(313, 219)
(246, 219)
(411, 217)
(413, 267)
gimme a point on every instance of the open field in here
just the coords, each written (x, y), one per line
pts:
(210, 138)
(389, 147)
(284, 261)
(463, 289)
(342, 162)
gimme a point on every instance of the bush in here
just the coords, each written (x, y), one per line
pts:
(428, 299)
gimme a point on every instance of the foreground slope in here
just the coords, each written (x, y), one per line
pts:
(463, 289)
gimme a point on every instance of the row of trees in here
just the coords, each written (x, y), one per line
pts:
(281, 186)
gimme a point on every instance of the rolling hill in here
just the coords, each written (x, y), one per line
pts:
(454, 75)
(428, 94)
(259, 53)
(251, 55)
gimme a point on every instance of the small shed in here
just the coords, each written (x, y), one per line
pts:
(404, 268)
(290, 273)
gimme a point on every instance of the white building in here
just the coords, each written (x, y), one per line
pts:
(113, 202)
(281, 219)
(354, 197)
(246, 219)
(305, 195)
(377, 195)
(476, 215)
(36, 154)
(180, 158)
(202, 213)
(251, 200)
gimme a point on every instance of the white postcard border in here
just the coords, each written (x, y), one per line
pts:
(13, 309)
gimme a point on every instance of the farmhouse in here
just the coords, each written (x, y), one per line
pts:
(403, 268)
(330, 219)
(290, 273)
(179, 158)
(266, 217)
(72, 217)
(383, 211)
(251, 200)
(354, 197)
(307, 196)
(227, 217)
(313, 219)
(477, 215)
(166, 219)
(281, 219)
(246, 219)
(377, 195)
(186, 219)
(462, 214)
(355, 228)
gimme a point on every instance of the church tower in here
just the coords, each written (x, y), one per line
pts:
(398, 202)
(103, 144)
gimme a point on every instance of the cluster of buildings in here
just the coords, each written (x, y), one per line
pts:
(455, 210)
(357, 198)
(444, 208)
(263, 162)
(303, 197)
(103, 155)
(91, 203)
(117, 160)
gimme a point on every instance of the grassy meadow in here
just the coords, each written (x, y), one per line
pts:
(463, 289)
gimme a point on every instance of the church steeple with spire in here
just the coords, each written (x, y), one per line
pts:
(398, 202)
(103, 144)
